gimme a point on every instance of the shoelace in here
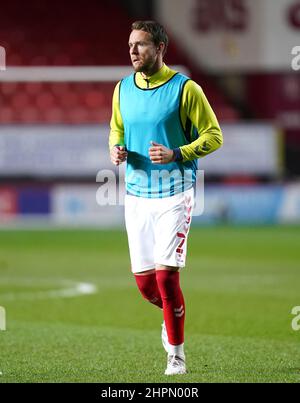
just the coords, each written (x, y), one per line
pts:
(174, 360)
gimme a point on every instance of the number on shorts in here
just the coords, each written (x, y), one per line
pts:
(182, 236)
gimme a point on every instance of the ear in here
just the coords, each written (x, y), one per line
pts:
(160, 48)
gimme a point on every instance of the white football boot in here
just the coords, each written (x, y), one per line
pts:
(175, 366)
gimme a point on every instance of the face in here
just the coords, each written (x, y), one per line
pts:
(145, 56)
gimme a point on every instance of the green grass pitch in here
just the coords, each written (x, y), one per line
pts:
(240, 286)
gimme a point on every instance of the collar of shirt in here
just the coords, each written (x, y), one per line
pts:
(157, 79)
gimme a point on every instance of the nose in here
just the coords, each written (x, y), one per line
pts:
(133, 50)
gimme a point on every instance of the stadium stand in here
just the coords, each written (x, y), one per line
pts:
(78, 35)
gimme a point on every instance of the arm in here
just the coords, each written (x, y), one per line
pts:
(118, 153)
(197, 108)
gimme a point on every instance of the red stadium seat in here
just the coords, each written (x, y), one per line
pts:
(42, 39)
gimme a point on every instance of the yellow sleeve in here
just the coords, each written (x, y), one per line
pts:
(116, 135)
(196, 107)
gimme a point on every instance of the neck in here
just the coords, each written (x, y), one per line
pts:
(154, 69)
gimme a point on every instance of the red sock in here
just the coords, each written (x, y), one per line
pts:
(148, 287)
(173, 304)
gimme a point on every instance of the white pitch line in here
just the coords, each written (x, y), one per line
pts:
(78, 289)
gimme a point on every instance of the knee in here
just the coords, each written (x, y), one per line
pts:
(168, 283)
(145, 284)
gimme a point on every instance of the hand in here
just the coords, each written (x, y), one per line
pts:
(160, 154)
(118, 154)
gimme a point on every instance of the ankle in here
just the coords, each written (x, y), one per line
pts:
(177, 350)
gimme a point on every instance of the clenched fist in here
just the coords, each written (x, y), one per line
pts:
(160, 154)
(118, 154)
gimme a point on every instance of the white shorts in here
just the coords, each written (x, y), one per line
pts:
(157, 230)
